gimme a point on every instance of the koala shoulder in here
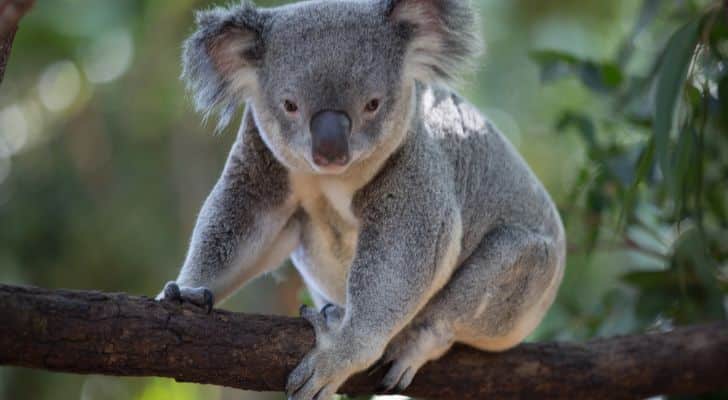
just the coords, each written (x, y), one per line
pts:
(416, 174)
(253, 164)
(445, 113)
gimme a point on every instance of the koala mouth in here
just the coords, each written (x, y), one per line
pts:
(330, 169)
(330, 130)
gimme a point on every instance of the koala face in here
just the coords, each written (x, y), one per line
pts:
(328, 81)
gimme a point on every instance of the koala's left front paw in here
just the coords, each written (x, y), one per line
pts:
(200, 296)
(329, 364)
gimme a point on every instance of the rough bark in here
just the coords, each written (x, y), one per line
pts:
(118, 334)
(6, 44)
(10, 13)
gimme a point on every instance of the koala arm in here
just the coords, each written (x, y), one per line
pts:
(390, 280)
(408, 244)
(243, 228)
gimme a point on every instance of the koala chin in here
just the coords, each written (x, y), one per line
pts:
(413, 221)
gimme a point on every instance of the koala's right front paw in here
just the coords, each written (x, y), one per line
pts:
(199, 296)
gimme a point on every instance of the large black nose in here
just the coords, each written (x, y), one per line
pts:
(330, 137)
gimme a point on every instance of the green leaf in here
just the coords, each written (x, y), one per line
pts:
(717, 204)
(683, 164)
(718, 36)
(549, 56)
(692, 254)
(554, 64)
(644, 166)
(611, 75)
(621, 165)
(600, 77)
(722, 109)
(670, 80)
(650, 280)
(645, 240)
(583, 123)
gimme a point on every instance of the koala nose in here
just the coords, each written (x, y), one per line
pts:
(330, 137)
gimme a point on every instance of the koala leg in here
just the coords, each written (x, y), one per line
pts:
(387, 284)
(494, 299)
(204, 290)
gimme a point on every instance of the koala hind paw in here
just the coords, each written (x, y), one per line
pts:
(408, 352)
(199, 296)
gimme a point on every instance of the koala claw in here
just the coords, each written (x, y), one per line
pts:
(333, 314)
(316, 378)
(398, 378)
(326, 367)
(376, 367)
(297, 379)
(201, 296)
(313, 317)
(408, 352)
(322, 322)
(171, 291)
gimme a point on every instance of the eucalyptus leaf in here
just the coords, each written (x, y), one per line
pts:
(671, 78)
(683, 165)
(601, 77)
(584, 125)
(644, 165)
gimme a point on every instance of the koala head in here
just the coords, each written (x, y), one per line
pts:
(329, 81)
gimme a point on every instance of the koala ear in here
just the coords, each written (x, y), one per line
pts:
(442, 36)
(220, 59)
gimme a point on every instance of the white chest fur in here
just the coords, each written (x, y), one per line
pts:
(329, 232)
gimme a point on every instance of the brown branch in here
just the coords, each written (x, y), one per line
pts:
(118, 334)
(10, 13)
(6, 44)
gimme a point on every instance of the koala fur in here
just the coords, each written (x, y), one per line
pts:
(434, 232)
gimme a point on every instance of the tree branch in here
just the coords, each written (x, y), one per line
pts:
(10, 13)
(118, 334)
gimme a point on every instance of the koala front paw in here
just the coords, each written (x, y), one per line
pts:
(330, 363)
(317, 377)
(199, 296)
(325, 321)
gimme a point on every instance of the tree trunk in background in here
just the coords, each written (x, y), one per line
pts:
(5, 46)
(117, 334)
(10, 13)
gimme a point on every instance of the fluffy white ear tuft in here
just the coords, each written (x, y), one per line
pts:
(442, 36)
(220, 59)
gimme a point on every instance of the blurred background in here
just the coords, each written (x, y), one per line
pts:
(619, 107)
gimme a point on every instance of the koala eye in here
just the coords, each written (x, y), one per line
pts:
(372, 106)
(290, 106)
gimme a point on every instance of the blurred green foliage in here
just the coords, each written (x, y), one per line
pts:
(620, 107)
(657, 164)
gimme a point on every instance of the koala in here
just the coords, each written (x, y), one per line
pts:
(412, 220)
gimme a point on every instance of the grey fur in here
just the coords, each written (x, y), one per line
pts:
(462, 44)
(436, 231)
(210, 88)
